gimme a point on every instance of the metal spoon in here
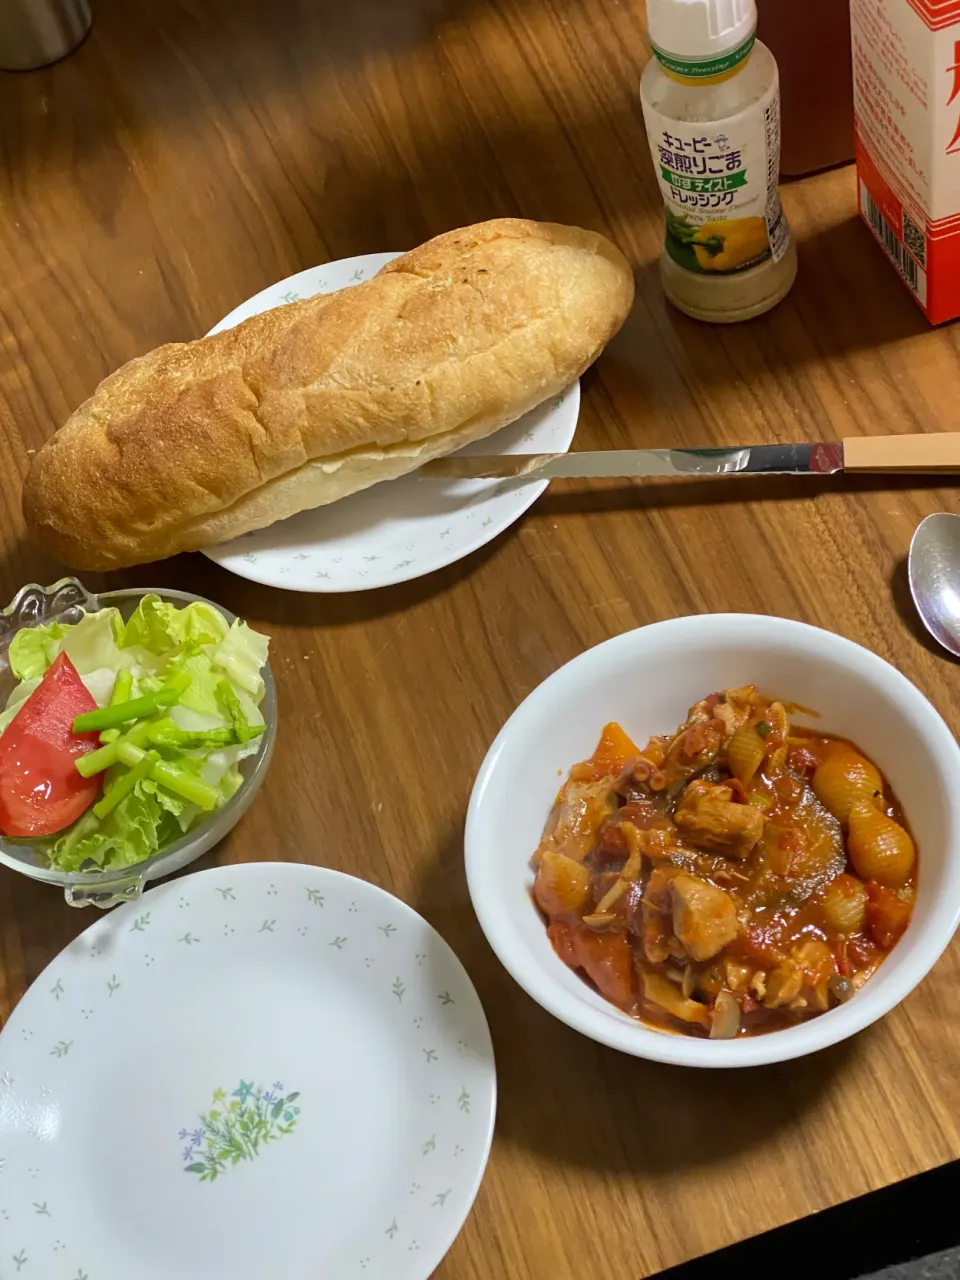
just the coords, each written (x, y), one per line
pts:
(933, 567)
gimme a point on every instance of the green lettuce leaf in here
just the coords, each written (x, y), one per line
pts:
(17, 698)
(195, 721)
(158, 627)
(217, 700)
(242, 655)
(33, 649)
(219, 764)
(91, 645)
(94, 641)
(146, 684)
(231, 782)
(128, 834)
(200, 694)
(243, 728)
(166, 799)
(100, 684)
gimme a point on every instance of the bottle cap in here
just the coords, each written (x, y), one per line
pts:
(701, 39)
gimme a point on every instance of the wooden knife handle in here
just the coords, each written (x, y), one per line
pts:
(938, 451)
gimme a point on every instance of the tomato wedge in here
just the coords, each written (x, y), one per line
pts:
(41, 791)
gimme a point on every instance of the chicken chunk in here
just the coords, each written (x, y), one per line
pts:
(709, 817)
(704, 917)
(803, 978)
(562, 886)
(580, 812)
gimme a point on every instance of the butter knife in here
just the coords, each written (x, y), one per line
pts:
(907, 454)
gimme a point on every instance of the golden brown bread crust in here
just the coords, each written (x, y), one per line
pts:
(198, 442)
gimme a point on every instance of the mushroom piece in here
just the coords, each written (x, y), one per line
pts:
(726, 1017)
(661, 992)
(689, 981)
(841, 988)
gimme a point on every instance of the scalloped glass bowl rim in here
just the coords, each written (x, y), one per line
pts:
(125, 882)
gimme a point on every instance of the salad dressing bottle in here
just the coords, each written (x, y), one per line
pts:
(711, 104)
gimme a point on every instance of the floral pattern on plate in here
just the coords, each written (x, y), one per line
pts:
(401, 530)
(238, 1128)
(257, 974)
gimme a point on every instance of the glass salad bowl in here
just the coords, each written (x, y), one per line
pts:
(66, 601)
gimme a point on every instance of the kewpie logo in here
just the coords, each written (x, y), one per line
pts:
(954, 143)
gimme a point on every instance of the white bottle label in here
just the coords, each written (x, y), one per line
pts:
(720, 188)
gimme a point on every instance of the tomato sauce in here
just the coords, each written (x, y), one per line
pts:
(735, 877)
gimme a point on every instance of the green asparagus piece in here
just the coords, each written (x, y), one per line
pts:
(170, 776)
(104, 757)
(134, 709)
(124, 785)
(164, 733)
(227, 697)
(121, 693)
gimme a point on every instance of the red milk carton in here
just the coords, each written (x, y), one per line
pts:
(906, 76)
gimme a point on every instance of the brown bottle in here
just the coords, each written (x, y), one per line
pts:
(810, 40)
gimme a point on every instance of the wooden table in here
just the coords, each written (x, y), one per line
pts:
(194, 151)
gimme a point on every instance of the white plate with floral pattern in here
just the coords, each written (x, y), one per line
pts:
(401, 530)
(258, 1071)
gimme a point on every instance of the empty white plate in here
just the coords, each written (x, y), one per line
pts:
(264, 1070)
(404, 528)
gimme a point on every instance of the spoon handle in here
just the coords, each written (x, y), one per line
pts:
(935, 451)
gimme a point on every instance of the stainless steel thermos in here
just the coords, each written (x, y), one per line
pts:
(35, 32)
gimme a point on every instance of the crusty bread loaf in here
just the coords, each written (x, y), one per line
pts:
(198, 442)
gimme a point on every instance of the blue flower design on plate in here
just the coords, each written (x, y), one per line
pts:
(243, 1092)
(238, 1130)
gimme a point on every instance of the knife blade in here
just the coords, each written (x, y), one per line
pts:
(926, 453)
(764, 459)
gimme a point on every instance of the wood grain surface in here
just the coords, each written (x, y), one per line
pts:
(194, 151)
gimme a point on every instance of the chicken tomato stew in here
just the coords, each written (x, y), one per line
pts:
(735, 877)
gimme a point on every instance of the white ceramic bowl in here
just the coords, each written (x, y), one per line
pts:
(647, 679)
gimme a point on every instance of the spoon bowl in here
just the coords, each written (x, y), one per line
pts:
(933, 567)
